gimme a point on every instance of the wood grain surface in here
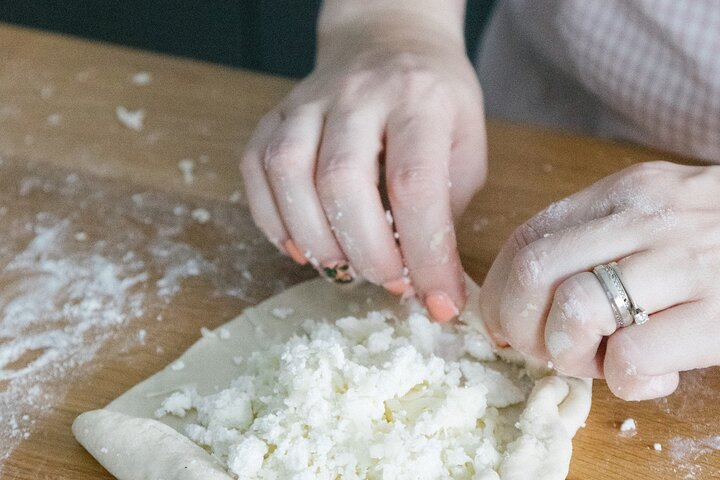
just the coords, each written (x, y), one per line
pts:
(57, 117)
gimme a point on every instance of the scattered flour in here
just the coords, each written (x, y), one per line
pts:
(235, 197)
(54, 119)
(141, 79)
(364, 398)
(76, 277)
(47, 91)
(628, 428)
(132, 119)
(56, 311)
(480, 224)
(685, 453)
(187, 169)
(200, 215)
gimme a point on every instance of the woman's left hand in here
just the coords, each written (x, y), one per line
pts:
(661, 223)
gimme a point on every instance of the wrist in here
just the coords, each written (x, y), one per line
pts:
(349, 27)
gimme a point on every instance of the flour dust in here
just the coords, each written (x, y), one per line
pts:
(84, 262)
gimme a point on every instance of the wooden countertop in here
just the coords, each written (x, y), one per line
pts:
(57, 117)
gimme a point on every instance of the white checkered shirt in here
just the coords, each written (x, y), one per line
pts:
(643, 70)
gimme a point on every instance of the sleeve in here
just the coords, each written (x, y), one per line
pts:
(650, 69)
(654, 63)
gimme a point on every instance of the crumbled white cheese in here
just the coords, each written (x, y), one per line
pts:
(364, 398)
(130, 119)
(207, 333)
(176, 404)
(282, 312)
(177, 366)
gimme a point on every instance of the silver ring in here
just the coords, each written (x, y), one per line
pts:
(626, 311)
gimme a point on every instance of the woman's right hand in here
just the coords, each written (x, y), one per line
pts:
(391, 88)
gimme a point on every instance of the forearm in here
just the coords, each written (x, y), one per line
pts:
(358, 24)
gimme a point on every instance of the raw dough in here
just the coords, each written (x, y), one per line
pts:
(127, 439)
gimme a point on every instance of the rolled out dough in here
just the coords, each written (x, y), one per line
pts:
(126, 438)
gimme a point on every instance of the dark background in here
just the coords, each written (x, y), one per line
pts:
(273, 36)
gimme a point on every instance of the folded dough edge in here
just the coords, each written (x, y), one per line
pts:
(143, 449)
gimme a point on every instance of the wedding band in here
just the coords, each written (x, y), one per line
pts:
(626, 311)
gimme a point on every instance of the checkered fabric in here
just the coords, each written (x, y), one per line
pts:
(643, 70)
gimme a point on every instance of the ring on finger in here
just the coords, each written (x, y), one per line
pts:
(626, 311)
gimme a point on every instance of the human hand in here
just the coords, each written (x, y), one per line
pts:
(661, 223)
(408, 101)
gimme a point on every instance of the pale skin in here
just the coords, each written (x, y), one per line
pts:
(393, 94)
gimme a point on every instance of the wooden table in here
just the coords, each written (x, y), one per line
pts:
(57, 117)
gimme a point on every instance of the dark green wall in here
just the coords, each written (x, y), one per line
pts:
(270, 35)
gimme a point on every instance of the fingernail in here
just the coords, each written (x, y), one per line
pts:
(295, 252)
(440, 306)
(397, 286)
(338, 272)
(499, 340)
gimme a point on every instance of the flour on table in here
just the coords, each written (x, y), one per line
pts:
(141, 79)
(131, 119)
(187, 169)
(235, 197)
(628, 428)
(200, 215)
(54, 119)
(76, 277)
(686, 451)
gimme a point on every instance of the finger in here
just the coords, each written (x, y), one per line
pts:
(468, 163)
(642, 360)
(564, 214)
(347, 184)
(264, 212)
(610, 194)
(538, 269)
(290, 159)
(418, 151)
(581, 314)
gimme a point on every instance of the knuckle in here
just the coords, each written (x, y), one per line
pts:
(621, 355)
(525, 235)
(527, 266)
(641, 175)
(412, 184)
(284, 157)
(570, 302)
(356, 81)
(338, 179)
